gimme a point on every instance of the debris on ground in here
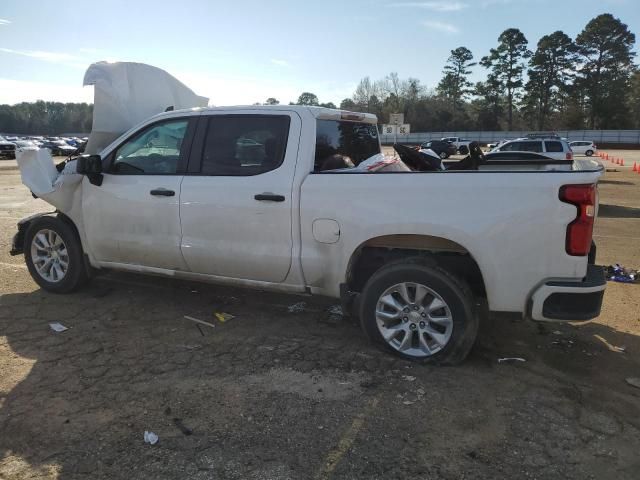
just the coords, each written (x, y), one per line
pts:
(182, 427)
(223, 317)
(633, 381)
(511, 360)
(564, 343)
(58, 327)
(408, 378)
(196, 320)
(150, 437)
(297, 307)
(613, 348)
(619, 273)
(334, 315)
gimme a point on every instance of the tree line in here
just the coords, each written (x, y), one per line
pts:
(591, 82)
(587, 83)
(46, 118)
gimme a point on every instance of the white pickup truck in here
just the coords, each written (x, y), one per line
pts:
(457, 141)
(242, 196)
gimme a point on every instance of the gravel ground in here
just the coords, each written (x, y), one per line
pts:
(274, 394)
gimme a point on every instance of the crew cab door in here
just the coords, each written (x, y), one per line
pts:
(236, 203)
(133, 217)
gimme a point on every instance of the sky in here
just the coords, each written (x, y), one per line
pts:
(244, 51)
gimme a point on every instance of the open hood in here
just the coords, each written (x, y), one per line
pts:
(127, 93)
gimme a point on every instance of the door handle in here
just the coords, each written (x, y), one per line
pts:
(269, 197)
(162, 192)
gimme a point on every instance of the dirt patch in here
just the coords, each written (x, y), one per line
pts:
(273, 394)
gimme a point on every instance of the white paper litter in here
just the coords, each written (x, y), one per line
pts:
(150, 437)
(297, 307)
(58, 327)
(511, 359)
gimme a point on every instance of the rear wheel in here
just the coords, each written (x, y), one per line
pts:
(419, 313)
(53, 254)
(444, 155)
(588, 153)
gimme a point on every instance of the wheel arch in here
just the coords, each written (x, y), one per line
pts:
(376, 252)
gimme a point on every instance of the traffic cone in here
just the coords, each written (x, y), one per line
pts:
(606, 156)
(617, 161)
(622, 162)
(635, 167)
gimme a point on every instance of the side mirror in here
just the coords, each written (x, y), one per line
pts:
(89, 165)
(463, 150)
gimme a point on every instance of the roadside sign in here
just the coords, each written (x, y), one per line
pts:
(396, 118)
(404, 129)
(388, 129)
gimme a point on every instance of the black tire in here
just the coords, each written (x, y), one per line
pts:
(444, 155)
(588, 153)
(76, 275)
(453, 291)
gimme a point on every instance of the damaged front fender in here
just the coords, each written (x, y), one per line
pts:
(59, 186)
(17, 244)
(40, 175)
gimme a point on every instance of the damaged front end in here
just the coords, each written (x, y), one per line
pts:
(125, 94)
(59, 185)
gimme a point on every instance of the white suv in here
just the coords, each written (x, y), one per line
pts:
(553, 147)
(583, 148)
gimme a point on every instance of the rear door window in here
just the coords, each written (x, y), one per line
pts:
(243, 145)
(553, 146)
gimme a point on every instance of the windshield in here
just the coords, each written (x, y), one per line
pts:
(343, 144)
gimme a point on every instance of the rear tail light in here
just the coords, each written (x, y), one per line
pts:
(580, 231)
(569, 156)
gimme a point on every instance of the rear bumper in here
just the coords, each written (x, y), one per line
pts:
(570, 301)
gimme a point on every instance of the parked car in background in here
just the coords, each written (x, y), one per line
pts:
(7, 149)
(583, 147)
(443, 149)
(552, 147)
(457, 141)
(493, 145)
(58, 147)
(22, 145)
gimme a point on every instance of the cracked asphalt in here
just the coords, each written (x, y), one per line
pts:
(274, 394)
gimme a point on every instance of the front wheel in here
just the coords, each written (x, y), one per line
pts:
(53, 254)
(419, 313)
(588, 153)
(444, 155)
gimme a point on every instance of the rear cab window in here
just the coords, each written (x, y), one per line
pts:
(344, 144)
